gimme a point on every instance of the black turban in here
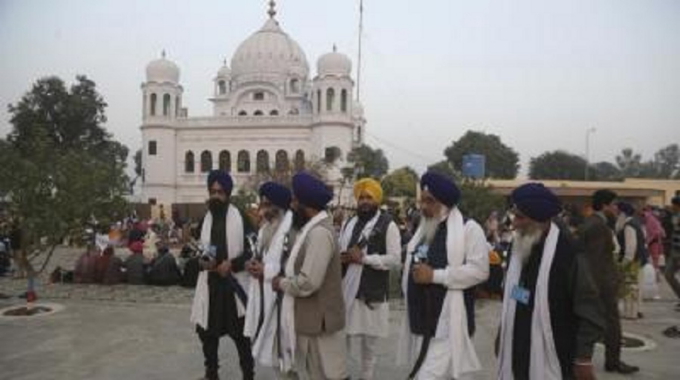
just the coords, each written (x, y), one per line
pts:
(441, 187)
(276, 193)
(536, 201)
(311, 191)
(223, 178)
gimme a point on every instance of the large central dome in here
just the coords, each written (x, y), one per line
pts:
(269, 51)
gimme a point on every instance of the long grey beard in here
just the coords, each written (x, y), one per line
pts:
(430, 225)
(524, 242)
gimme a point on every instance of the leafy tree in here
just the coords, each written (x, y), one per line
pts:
(605, 171)
(557, 165)
(501, 160)
(66, 169)
(138, 169)
(401, 183)
(478, 199)
(666, 163)
(629, 163)
(368, 162)
(446, 168)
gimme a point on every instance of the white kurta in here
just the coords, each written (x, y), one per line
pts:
(468, 265)
(201, 303)
(264, 345)
(360, 319)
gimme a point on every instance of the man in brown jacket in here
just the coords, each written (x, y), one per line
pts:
(313, 283)
(600, 247)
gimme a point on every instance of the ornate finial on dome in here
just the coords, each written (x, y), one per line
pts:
(163, 54)
(335, 48)
(272, 9)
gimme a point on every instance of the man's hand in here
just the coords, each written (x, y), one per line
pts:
(276, 283)
(345, 257)
(583, 370)
(422, 274)
(224, 268)
(208, 265)
(255, 268)
(356, 255)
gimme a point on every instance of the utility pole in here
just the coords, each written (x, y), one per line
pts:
(588, 132)
(361, 28)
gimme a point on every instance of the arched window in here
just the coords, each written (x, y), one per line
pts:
(330, 98)
(177, 106)
(153, 104)
(222, 87)
(282, 161)
(166, 104)
(294, 86)
(343, 100)
(243, 113)
(318, 101)
(243, 164)
(206, 161)
(274, 113)
(359, 133)
(262, 162)
(225, 161)
(189, 162)
(258, 113)
(294, 111)
(299, 160)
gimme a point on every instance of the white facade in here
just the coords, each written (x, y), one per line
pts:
(265, 105)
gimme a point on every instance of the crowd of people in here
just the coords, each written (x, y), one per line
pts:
(301, 290)
(307, 294)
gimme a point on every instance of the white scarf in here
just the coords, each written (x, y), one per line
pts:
(452, 323)
(352, 279)
(263, 345)
(201, 303)
(287, 306)
(543, 362)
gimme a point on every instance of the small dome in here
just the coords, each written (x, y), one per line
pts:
(334, 64)
(224, 71)
(269, 51)
(162, 70)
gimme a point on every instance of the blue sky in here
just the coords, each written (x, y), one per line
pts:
(537, 73)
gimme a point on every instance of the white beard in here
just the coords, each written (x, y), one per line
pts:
(524, 242)
(429, 226)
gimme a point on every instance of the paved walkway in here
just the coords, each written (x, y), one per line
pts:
(142, 332)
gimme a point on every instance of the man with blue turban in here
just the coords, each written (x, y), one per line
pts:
(370, 246)
(273, 242)
(312, 311)
(446, 256)
(220, 299)
(551, 314)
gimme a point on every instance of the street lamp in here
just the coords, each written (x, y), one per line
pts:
(588, 132)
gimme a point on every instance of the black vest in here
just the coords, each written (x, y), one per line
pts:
(641, 253)
(425, 301)
(374, 284)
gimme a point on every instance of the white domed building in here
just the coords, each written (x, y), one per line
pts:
(267, 115)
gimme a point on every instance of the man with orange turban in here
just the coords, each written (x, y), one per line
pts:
(370, 245)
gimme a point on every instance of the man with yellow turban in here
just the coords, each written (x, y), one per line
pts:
(370, 245)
